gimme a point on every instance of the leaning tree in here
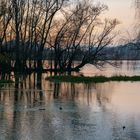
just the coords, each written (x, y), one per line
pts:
(82, 35)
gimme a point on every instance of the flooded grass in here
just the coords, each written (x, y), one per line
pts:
(6, 81)
(95, 79)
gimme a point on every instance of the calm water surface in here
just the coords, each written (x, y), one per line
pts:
(31, 110)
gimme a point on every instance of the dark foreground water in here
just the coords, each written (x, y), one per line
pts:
(44, 110)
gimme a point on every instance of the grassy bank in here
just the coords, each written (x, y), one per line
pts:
(6, 81)
(96, 79)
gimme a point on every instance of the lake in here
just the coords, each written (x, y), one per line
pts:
(36, 109)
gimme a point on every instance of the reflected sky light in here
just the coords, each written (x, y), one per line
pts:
(32, 111)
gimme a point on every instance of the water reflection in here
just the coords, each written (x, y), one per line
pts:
(30, 109)
(129, 68)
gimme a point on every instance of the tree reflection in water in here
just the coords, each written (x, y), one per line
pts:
(29, 109)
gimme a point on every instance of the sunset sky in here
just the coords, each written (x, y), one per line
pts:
(124, 11)
(121, 9)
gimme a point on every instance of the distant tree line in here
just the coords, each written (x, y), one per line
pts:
(28, 28)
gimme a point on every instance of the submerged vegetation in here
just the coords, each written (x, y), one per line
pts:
(96, 79)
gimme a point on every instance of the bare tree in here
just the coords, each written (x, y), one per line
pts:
(80, 31)
(5, 18)
(29, 23)
(137, 16)
(76, 33)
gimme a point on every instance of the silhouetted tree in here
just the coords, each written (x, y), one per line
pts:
(28, 27)
(81, 30)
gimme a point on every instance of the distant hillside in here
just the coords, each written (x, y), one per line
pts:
(130, 51)
(124, 52)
